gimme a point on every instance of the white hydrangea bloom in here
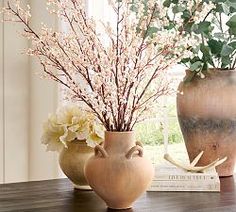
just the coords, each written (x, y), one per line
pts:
(70, 123)
(53, 134)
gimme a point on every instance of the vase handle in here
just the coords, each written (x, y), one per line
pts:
(130, 153)
(139, 143)
(100, 149)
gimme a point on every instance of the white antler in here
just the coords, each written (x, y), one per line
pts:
(192, 167)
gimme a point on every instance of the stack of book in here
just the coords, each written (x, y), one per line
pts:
(171, 178)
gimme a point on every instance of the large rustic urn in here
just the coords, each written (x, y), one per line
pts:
(207, 115)
(118, 172)
(72, 161)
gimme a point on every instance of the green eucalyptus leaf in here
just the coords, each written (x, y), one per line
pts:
(167, 3)
(232, 31)
(175, 1)
(215, 46)
(204, 27)
(185, 60)
(231, 23)
(226, 50)
(231, 3)
(188, 27)
(151, 31)
(170, 26)
(233, 44)
(196, 66)
(204, 49)
(195, 29)
(205, 66)
(219, 35)
(133, 8)
(178, 8)
(195, 59)
(232, 10)
(225, 61)
(186, 15)
(219, 8)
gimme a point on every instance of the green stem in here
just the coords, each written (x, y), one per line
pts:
(202, 37)
(221, 27)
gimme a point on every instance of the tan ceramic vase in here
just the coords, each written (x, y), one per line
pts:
(207, 115)
(72, 161)
(118, 172)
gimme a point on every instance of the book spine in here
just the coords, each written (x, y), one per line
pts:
(184, 186)
(179, 177)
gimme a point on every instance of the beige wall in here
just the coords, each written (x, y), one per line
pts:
(14, 106)
(43, 101)
(25, 101)
(1, 102)
(16, 98)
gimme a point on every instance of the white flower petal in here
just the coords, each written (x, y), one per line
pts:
(70, 123)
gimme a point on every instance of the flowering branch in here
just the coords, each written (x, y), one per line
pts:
(119, 78)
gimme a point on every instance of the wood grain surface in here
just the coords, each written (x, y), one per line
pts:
(59, 196)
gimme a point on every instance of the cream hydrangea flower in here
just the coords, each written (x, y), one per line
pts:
(95, 136)
(67, 114)
(76, 120)
(54, 134)
(70, 123)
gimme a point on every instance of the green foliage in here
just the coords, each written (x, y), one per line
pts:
(151, 31)
(226, 50)
(151, 132)
(216, 33)
(217, 37)
(167, 3)
(215, 46)
(232, 25)
(196, 65)
(204, 27)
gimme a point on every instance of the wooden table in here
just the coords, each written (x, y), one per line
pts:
(59, 196)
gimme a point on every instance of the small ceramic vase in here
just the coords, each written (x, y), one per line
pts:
(72, 161)
(118, 172)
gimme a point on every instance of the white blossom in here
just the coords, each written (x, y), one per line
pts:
(120, 79)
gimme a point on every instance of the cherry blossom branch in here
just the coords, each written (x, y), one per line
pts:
(115, 79)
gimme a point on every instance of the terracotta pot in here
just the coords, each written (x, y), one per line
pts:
(72, 161)
(207, 115)
(118, 172)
